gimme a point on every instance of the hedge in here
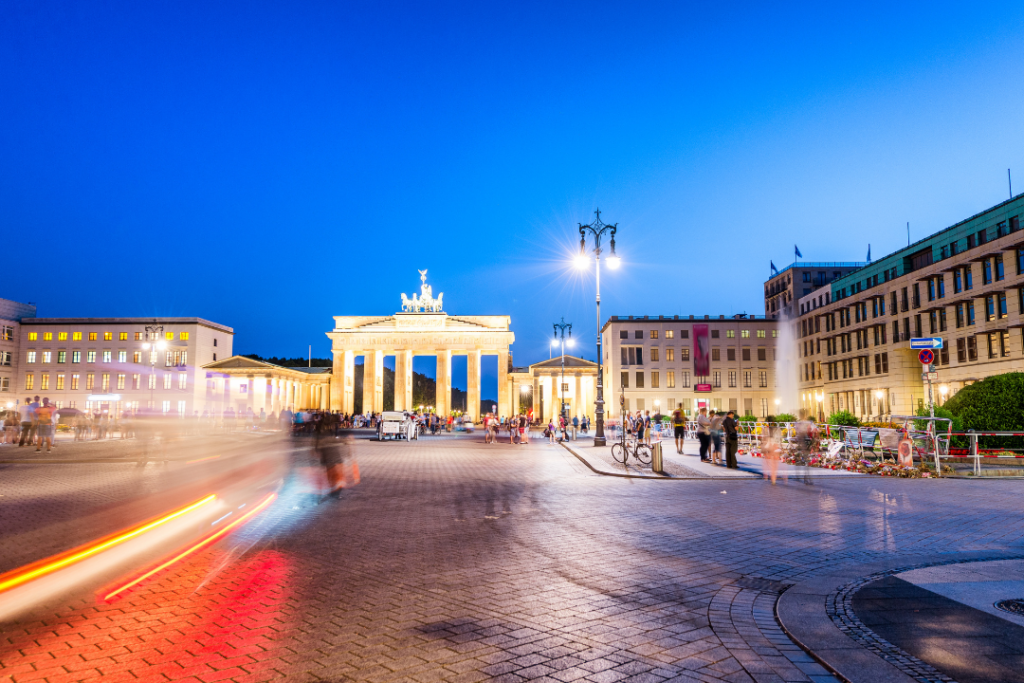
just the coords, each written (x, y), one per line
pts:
(995, 404)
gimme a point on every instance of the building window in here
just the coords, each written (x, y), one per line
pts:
(746, 354)
(74, 382)
(714, 334)
(986, 272)
(30, 381)
(138, 336)
(970, 312)
(1004, 344)
(122, 356)
(732, 379)
(972, 348)
(730, 354)
(670, 354)
(730, 334)
(1000, 269)
(92, 336)
(33, 336)
(90, 357)
(105, 382)
(624, 380)
(166, 407)
(135, 381)
(655, 380)
(670, 380)
(760, 334)
(638, 334)
(684, 352)
(716, 379)
(169, 336)
(762, 377)
(136, 356)
(90, 381)
(669, 334)
(152, 381)
(30, 357)
(44, 381)
(60, 382)
(654, 354)
(684, 379)
(654, 334)
(684, 334)
(167, 380)
(123, 336)
(745, 334)
(1001, 309)
(120, 380)
(6, 358)
(76, 336)
(762, 353)
(746, 378)
(106, 356)
(716, 353)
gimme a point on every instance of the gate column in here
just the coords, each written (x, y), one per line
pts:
(444, 382)
(473, 385)
(504, 404)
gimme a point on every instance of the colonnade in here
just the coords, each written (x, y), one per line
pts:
(343, 384)
(580, 394)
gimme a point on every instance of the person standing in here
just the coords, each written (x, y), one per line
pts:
(27, 411)
(647, 427)
(732, 439)
(679, 427)
(575, 426)
(704, 433)
(45, 416)
(716, 437)
(551, 431)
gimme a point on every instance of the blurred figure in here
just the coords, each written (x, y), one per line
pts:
(771, 452)
(679, 427)
(716, 437)
(732, 440)
(45, 418)
(10, 427)
(704, 433)
(27, 411)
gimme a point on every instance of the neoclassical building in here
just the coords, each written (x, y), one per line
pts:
(544, 384)
(240, 382)
(421, 328)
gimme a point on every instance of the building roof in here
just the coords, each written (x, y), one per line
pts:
(128, 321)
(735, 317)
(570, 362)
(246, 363)
(15, 310)
(819, 264)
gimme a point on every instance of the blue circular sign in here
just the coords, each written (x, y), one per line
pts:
(926, 356)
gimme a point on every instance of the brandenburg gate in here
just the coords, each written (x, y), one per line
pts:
(422, 328)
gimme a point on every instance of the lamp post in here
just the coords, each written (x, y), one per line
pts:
(880, 395)
(821, 405)
(560, 337)
(597, 229)
(153, 332)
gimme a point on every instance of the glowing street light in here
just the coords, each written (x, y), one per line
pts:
(560, 337)
(597, 229)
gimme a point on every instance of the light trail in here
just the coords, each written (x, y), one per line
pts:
(52, 564)
(212, 457)
(201, 544)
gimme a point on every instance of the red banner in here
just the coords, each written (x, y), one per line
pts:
(701, 351)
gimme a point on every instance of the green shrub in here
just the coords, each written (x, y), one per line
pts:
(785, 417)
(748, 418)
(995, 404)
(844, 418)
(940, 411)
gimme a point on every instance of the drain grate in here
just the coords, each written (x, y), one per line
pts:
(1015, 606)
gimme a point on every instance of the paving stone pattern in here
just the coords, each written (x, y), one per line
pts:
(456, 561)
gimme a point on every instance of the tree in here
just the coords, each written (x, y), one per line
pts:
(843, 418)
(995, 404)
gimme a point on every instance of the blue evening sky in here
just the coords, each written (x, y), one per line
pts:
(270, 165)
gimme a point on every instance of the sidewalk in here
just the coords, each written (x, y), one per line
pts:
(688, 464)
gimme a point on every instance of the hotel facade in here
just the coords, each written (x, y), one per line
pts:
(721, 363)
(964, 284)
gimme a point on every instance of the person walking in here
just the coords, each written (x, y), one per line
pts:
(27, 411)
(575, 426)
(647, 427)
(732, 440)
(679, 427)
(704, 433)
(551, 431)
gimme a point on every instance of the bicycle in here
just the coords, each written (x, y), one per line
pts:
(640, 451)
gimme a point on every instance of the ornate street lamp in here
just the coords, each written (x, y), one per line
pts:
(597, 230)
(154, 333)
(560, 337)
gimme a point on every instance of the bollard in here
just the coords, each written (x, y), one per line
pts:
(656, 461)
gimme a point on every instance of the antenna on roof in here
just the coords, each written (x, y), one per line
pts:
(310, 355)
(1009, 182)
(908, 233)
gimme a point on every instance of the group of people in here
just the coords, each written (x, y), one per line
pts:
(33, 423)
(577, 425)
(517, 426)
(712, 430)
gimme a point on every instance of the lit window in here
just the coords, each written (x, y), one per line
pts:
(135, 381)
(183, 381)
(122, 356)
(123, 336)
(76, 336)
(47, 356)
(669, 334)
(169, 336)
(730, 334)
(654, 334)
(152, 381)
(31, 357)
(120, 380)
(167, 380)
(62, 356)
(44, 381)
(32, 336)
(92, 336)
(30, 381)
(138, 336)
(183, 336)
(107, 356)
(76, 356)
(105, 382)
(62, 336)
(90, 357)
(90, 380)
(775, 333)
(108, 336)
(60, 382)
(74, 382)
(760, 334)
(47, 336)
(166, 406)
(745, 334)
(136, 356)
(181, 408)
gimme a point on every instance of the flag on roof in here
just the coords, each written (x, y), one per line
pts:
(869, 253)
(775, 271)
(797, 250)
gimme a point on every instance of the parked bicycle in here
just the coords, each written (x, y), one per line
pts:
(630, 446)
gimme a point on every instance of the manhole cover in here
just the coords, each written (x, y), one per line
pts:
(1015, 606)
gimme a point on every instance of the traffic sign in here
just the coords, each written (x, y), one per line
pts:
(926, 343)
(926, 356)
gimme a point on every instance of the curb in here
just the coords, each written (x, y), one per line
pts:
(655, 476)
(802, 612)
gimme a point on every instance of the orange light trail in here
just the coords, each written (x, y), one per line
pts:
(212, 457)
(201, 544)
(52, 564)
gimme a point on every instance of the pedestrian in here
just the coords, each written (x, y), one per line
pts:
(770, 451)
(45, 416)
(551, 431)
(679, 427)
(716, 437)
(10, 427)
(732, 439)
(704, 433)
(647, 427)
(27, 412)
(524, 429)
(575, 426)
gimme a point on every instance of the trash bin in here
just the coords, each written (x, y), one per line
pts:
(656, 464)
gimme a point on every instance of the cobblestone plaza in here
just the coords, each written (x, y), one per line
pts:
(454, 560)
